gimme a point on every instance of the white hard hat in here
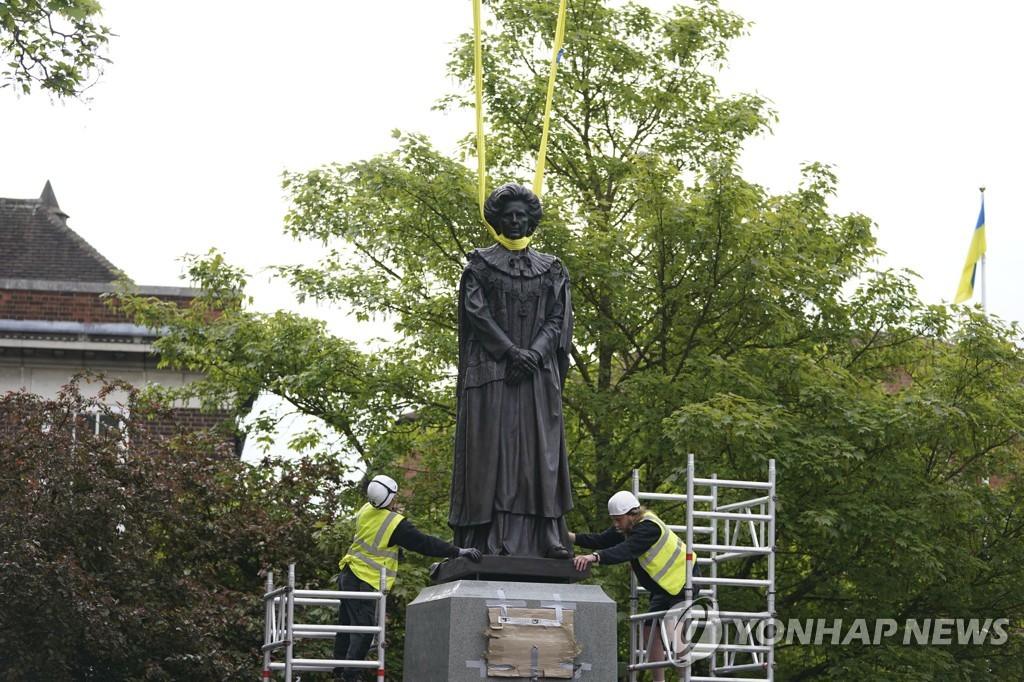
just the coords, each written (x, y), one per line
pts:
(381, 490)
(622, 502)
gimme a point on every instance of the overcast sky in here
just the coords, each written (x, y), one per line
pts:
(182, 145)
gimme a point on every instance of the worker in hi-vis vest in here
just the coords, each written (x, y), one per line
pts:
(658, 557)
(380, 532)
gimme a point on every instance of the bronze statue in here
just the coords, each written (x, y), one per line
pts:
(510, 479)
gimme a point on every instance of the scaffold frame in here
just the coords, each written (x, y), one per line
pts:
(732, 641)
(280, 629)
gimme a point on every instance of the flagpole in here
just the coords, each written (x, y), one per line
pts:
(984, 289)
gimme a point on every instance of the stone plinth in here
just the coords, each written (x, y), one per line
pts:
(508, 568)
(445, 638)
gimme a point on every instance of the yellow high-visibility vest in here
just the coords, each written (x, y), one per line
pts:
(665, 560)
(369, 550)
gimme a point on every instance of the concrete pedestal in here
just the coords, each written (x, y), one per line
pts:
(523, 569)
(445, 637)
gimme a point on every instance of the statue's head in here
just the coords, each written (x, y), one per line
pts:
(513, 211)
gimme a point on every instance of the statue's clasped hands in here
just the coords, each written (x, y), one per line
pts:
(522, 363)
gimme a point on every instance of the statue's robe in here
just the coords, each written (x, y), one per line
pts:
(510, 476)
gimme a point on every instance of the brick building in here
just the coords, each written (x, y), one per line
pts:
(53, 320)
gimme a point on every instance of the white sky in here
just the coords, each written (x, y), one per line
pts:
(207, 102)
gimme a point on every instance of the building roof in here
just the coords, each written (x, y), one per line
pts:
(52, 284)
(37, 244)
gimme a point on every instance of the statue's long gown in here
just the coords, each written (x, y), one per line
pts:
(510, 476)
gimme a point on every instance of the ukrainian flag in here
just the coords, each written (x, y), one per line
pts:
(966, 288)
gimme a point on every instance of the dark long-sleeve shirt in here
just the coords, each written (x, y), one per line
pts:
(618, 549)
(407, 536)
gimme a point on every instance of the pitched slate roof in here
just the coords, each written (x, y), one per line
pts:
(37, 244)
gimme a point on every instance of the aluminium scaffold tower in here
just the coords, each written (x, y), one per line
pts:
(740, 523)
(281, 630)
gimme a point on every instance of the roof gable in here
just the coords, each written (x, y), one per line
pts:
(36, 243)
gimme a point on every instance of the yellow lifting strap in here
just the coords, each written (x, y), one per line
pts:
(481, 152)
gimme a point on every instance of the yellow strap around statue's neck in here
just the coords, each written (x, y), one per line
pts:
(481, 153)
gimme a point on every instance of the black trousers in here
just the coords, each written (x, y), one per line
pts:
(353, 646)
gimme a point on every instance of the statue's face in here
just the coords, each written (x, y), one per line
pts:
(514, 220)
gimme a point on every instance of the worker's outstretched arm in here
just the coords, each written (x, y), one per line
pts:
(408, 536)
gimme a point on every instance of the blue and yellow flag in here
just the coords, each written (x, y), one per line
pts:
(966, 288)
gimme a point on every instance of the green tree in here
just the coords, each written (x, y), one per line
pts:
(900, 494)
(711, 317)
(56, 45)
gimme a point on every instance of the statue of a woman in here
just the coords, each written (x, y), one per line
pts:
(510, 479)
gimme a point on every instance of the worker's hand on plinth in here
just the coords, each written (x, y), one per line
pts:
(471, 553)
(583, 561)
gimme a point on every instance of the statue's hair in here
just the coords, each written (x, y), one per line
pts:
(512, 191)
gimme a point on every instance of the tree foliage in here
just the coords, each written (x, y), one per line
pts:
(130, 556)
(711, 317)
(56, 45)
